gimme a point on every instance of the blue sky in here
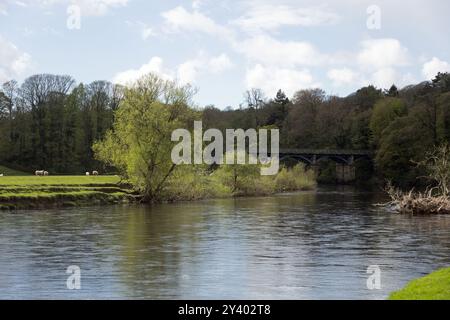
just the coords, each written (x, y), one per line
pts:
(226, 47)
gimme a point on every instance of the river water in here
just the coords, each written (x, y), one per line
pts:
(309, 245)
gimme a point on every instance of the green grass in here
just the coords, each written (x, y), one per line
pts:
(435, 286)
(10, 172)
(28, 192)
(58, 180)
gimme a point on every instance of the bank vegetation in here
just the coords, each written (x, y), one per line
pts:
(435, 198)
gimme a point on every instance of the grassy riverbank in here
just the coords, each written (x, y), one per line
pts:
(187, 184)
(31, 192)
(435, 286)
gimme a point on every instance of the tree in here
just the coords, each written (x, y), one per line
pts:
(255, 100)
(392, 92)
(365, 98)
(384, 112)
(139, 144)
(44, 95)
(303, 116)
(404, 142)
(281, 98)
(441, 82)
(276, 110)
(437, 165)
(4, 103)
(10, 91)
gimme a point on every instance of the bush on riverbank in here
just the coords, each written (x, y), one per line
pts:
(435, 286)
(297, 178)
(196, 182)
(193, 183)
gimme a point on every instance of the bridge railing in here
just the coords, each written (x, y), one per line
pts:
(328, 152)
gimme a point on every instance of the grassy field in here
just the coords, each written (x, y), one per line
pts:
(435, 286)
(57, 180)
(29, 192)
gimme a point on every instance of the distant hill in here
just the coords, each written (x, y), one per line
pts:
(414, 87)
(409, 89)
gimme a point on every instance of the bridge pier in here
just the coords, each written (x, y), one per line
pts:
(345, 173)
(316, 169)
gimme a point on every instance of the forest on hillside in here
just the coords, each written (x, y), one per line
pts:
(51, 122)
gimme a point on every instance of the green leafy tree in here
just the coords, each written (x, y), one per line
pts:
(384, 112)
(403, 143)
(139, 144)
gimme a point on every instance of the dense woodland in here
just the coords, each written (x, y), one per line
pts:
(51, 122)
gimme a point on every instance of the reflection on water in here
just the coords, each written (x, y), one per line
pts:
(313, 245)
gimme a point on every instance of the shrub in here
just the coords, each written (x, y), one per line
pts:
(297, 178)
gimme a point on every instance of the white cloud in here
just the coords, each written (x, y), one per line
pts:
(343, 76)
(270, 79)
(220, 63)
(21, 4)
(13, 62)
(186, 72)
(271, 17)
(386, 77)
(155, 65)
(382, 53)
(147, 32)
(98, 7)
(88, 7)
(433, 67)
(3, 10)
(377, 63)
(269, 51)
(142, 28)
(196, 4)
(179, 19)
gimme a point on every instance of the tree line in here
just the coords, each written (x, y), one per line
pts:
(51, 122)
(398, 126)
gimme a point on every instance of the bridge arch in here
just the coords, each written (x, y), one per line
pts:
(344, 159)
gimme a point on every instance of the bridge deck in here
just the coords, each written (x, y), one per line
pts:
(326, 152)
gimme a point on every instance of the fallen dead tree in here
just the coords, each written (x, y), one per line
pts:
(417, 202)
(435, 200)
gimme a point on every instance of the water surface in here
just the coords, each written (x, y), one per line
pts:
(310, 245)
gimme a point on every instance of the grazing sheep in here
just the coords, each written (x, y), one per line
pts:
(39, 172)
(1, 174)
(95, 173)
(45, 173)
(88, 174)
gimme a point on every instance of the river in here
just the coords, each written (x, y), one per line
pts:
(308, 245)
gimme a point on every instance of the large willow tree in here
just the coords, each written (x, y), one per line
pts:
(139, 144)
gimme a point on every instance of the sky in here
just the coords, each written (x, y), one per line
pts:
(226, 47)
